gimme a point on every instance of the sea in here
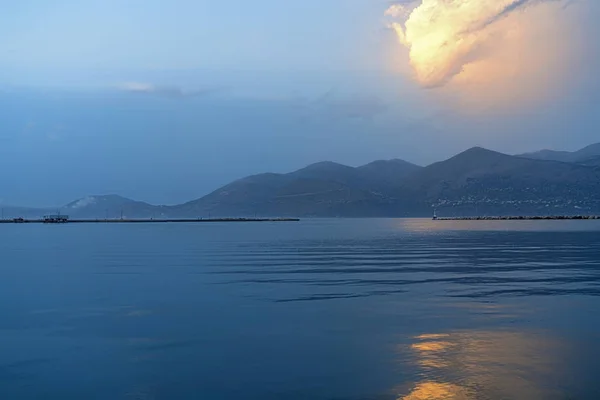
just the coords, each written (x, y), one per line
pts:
(324, 309)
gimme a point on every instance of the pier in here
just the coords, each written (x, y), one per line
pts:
(522, 218)
(139, 221)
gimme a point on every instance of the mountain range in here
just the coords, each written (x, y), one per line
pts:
(588, 154)
(475, 182)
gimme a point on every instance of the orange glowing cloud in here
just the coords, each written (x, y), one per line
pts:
(498, 45)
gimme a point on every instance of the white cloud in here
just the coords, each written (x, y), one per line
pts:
(164, 91)
(446, 36)
(137, 87)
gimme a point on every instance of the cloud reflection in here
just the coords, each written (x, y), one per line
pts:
(488, 365)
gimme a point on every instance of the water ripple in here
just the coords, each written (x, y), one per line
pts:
(504, 264)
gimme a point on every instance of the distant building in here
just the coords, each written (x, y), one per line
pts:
(56, 219)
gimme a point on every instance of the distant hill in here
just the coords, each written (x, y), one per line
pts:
(111, 206)
(320, 190)
(10, 212)
(387, 172)
(327, 171)
(104, 206)
(565, 156)
(483, 181)
(477, 181)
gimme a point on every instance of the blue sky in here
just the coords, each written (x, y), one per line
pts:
(187, 34)
(166, 101)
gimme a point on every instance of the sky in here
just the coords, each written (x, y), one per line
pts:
(166, 101)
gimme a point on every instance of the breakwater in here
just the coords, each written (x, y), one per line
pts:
(522, 218)
(138, 221)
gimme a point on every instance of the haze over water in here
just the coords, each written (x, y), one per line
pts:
(321, 309)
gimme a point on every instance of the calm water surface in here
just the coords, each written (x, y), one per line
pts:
(321, 309)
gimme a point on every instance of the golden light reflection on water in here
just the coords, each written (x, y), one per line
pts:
(442, 391)
(432, 336)
(429, 225)
(431, 346)
(483, 364)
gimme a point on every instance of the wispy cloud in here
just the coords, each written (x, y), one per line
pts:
(168, 91)
(137, 87)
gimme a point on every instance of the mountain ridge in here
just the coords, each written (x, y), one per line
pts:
(592, 150)
(475, 181)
